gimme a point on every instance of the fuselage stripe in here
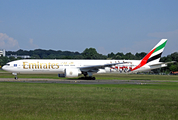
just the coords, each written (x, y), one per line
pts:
(160, 47)
(144, 60)
(154, 57)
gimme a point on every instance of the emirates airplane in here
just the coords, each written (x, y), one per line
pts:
(74, 68)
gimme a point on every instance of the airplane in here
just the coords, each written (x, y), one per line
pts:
(74, 68)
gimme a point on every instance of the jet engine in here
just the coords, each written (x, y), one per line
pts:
(69, 73)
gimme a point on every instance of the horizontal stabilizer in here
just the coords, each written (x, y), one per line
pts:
(161, 63)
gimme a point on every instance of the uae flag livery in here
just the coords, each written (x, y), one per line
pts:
(153, 56)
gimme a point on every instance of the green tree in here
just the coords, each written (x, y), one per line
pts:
(35, 56)
(129, 56)
(174, 56)
(173, 68)
(111, 55)
(139, 56)
(90, 53)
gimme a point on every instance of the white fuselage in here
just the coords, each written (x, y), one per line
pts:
(39, 66)
(73, 68)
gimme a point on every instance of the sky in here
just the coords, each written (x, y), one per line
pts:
(74, 25)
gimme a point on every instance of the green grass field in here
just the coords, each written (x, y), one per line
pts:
(74, 101)
(64, 101)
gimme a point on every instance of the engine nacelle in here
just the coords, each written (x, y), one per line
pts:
(69, 73)
(101, 71)
(107, 69)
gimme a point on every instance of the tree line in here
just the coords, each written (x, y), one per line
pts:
(88, 53)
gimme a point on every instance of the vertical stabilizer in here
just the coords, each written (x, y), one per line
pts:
(157, 52)
(154, 55)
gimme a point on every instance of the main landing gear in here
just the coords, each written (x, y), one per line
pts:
(92, 78)
(89, 76)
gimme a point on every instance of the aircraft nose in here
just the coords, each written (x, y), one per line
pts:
(4, 68)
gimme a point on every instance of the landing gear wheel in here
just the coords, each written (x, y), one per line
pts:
(92, 78)
(16, 78)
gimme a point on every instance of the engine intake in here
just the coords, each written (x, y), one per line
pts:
(69, 73)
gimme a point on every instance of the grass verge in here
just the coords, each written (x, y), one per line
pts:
(67, 101)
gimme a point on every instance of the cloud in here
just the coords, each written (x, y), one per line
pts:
(32, 45)
(168, 35)
(140, 46)
(172, 37)
(102, 50)
(148, 43)
(8, 43)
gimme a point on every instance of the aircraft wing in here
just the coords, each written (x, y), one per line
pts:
(96, 67)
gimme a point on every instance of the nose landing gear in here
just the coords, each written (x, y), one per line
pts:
(15, 74)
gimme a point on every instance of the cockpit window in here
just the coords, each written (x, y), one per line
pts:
(8, 64)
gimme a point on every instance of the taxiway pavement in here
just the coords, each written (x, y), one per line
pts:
(65, 81)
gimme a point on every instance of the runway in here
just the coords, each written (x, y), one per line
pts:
(65, 81)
